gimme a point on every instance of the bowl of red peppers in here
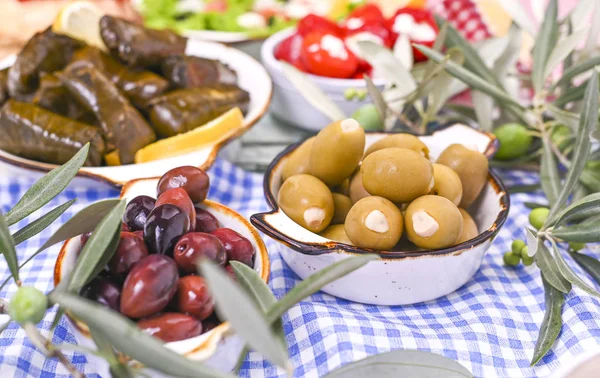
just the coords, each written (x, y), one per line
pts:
(327, 51)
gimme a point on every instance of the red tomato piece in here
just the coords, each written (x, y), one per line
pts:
(327, 55)
(219, 6)
(418, 25)
(290, 50)
(313, 23)
(368, 14)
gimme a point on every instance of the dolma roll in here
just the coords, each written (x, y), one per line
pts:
(184, 71)
(32, 132)
(3, 85)
(125, 129)
(138, 85)
(138, 46)
(185, 109)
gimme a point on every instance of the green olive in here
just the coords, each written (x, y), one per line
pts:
(511, 259)
(560, 136)
(400, 140)
(433, 222)
(538, 216)
(446, 183)
(298, 161)
(398, 174)
(307, 201)
(374, 222)
(28, 305)
(472, 168)
(341, 207)
(517, 246)
(336, 232)
(469, 230)
(368, 117)
(356, 190)
(514, 139)
(336, 151)
(575, 246)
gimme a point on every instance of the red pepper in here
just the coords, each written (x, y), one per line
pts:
(418, 25)
(368, 14)
(290, 50)
(314, 23)
(327, 55)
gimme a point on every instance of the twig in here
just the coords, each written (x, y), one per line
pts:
(49, 350)
(562, 158)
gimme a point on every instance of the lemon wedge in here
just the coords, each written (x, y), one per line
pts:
(80, 20)
(212, 132)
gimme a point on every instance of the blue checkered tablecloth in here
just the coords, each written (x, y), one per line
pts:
(489, 325)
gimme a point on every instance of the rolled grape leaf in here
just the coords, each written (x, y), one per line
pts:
(35, 133)
(184, 71)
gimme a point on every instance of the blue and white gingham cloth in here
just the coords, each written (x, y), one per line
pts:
(490, 325)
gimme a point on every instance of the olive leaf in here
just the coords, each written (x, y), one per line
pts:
(444, 85)
(589, 264)
(571, 94)
(469, 78)
(562, 50)
(41, 223)
(403, 51)
(96, 248)
(549, 176)
(567, 118)
(402, 363)
(244, 316)
(519, 15)
(548, 265)
(387, 65)
(118, 369)
(552, 322)
(577, 69)
(126, 337)
(591, 43)
(312, 93)
(568, 273)
(589, 202)
(484, 107)
(545, 41)
(528, 188)
(508, 60)
(377, 98)
(580, 233)
(48, 187)
(7, 248)
(580, 12)
(533, 242)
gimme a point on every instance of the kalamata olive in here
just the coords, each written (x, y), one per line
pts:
(104, 291)
(237, 247)
(205, 221)
(149, 286)
(137, 211)
(171, 326)
(179, 198)
(139, 233)
(125, 227)
(164, 226)
(130, 250)
(196, 245)
(194, 298)
(194, 180)
(209, 325)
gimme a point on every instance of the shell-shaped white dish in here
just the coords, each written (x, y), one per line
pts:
(252, 77)
(217, 348)
(400, 277)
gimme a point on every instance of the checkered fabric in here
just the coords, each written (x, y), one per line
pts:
(489, 325)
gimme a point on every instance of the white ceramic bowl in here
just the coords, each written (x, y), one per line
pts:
(252, 77)
(218, 348)
(400, 277)
(290, 106)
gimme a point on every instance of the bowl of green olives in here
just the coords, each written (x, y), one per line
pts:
(152, 277)
(428, 206)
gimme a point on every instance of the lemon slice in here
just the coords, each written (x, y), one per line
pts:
(389, 7)
(80, 20)
(214, 131)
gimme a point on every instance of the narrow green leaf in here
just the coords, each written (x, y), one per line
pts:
(402, 363)
(316, 281)
(438, 44)
(384, 62)
(312, 93)
(510, 55)
(591, 201)
(377, 98)
(7, 248)
(96, 248)
(484, 108)
(41, 223)
(48, 187)
(579, 233)
(583, 143)
(589, 264)
(533, 242)
(580, 12)
(442, 85)
(552, 322)
(577, 69)
(245, 317)
(126, 337)
(118, 369)
(106, 256)
(562, 50)
(84, 221)
(592, 41)
(534, 205)
(59, 314)
(549, 176)
(544, 43)
(549, 268)
(571, 95)
(523, 188)
(469, 78)
(519, 15)
(567, 118)
(590, 179)
(570, 275)
(402, 50)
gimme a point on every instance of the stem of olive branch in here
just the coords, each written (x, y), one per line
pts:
(49, 350)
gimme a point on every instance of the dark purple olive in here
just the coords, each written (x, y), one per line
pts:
(209, 325)
(149, 286)
(196, 245)
(194, 298)
(179, 198)
(193, 180)
(205, 221)
(238, 248)
(164, 226)
(137, 211)
(171, 326)
(103, 291)
(130, 250)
